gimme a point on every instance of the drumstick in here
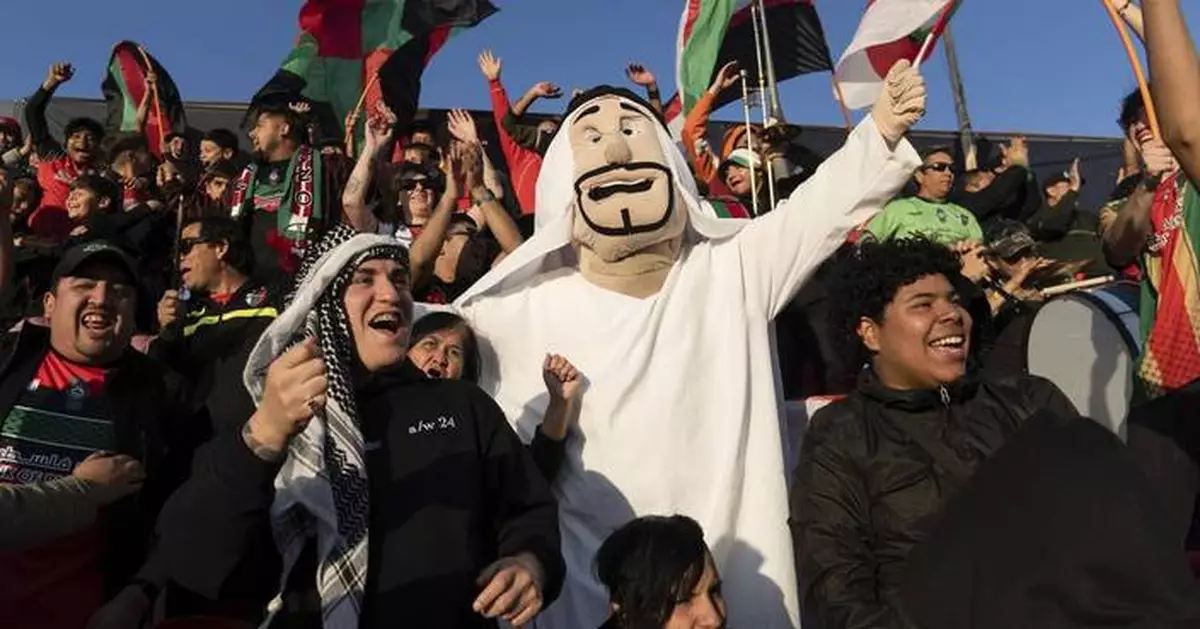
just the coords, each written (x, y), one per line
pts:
(1054, 291)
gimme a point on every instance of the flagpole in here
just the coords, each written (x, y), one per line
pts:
(352, 118)
(940, 26)
(755, 11)
(966, 135)
(772, 83)
(1134, 60)
(162, 134)
(749, 140)
(841, 99)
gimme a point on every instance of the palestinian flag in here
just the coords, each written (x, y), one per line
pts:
(124, 87)
(715, 32)
(890, 30)
(343, 44)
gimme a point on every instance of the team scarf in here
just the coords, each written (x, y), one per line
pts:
(1170, 300)
(301, 194)
(321, 491)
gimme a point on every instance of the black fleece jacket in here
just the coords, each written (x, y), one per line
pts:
(451, 489)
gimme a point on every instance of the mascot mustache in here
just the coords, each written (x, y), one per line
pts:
(599, 193)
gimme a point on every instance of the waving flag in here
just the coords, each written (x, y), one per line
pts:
(715, 32)
(343, 43)
(890, 30)
(124, 87)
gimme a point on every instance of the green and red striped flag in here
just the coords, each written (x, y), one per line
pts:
(890, 30)
(124, 87)
(715, 32)
(343, 43)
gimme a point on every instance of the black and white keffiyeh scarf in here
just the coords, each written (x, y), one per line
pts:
(321, 491)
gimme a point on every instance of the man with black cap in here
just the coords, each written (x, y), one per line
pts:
(71, 390)
(290, 193)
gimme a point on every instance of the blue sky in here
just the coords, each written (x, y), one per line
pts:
(1037, 66)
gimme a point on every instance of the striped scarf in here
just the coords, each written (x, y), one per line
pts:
(1170, 301)
(301, 196)
(321, 491)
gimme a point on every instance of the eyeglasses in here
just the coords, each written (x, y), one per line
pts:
(187, 244)
(939, 167)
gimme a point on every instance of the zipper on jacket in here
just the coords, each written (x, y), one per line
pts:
(945, 393)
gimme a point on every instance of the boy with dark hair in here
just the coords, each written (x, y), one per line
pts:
(216, 145)
(61, 165)
(917, 426)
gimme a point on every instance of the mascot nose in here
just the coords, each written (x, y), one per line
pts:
(617, 151)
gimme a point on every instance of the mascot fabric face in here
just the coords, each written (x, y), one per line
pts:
(626, 200)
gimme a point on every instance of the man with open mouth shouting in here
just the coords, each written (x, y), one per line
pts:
(667, 310)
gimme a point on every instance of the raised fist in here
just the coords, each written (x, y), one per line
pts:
(58, 74)
(901, 103)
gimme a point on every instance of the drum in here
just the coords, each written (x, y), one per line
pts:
(1087, 342)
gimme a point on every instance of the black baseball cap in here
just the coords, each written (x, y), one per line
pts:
(78, 255)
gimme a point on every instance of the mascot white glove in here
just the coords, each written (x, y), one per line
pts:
(901, 103)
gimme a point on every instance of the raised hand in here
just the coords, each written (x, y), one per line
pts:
(1016, 153)
(546, 89)
(490, 65)
(563, 381)
(380, 127)
(512, 590)
(639, 75)
(462, 126)
(1074, 176)
(471, 160)
(58, 74)
(1157, 157)
(729, 75)
(295, 390)
(901, 103)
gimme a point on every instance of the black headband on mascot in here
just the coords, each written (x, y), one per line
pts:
(608, 90)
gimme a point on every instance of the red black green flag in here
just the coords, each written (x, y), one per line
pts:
(343, 43)
(124, 87)
(714, 32)
(797, 41)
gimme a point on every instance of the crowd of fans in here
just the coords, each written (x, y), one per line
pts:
(138, 464)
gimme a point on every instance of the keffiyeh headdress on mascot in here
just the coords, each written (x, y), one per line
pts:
(321, 490)
(563, 183)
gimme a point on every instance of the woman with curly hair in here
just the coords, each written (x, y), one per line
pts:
(877, 468)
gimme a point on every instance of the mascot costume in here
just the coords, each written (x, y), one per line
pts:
(666, 310)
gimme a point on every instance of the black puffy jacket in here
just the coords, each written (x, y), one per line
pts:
(875, 470)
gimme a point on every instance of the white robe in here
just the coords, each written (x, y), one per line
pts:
(682, 411)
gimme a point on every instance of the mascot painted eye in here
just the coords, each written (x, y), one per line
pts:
(665, 309)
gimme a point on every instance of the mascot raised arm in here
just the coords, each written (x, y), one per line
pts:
(667, 310)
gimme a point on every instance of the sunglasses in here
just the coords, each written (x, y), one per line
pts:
(939, 167)
(411, 184)
(187, 244)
